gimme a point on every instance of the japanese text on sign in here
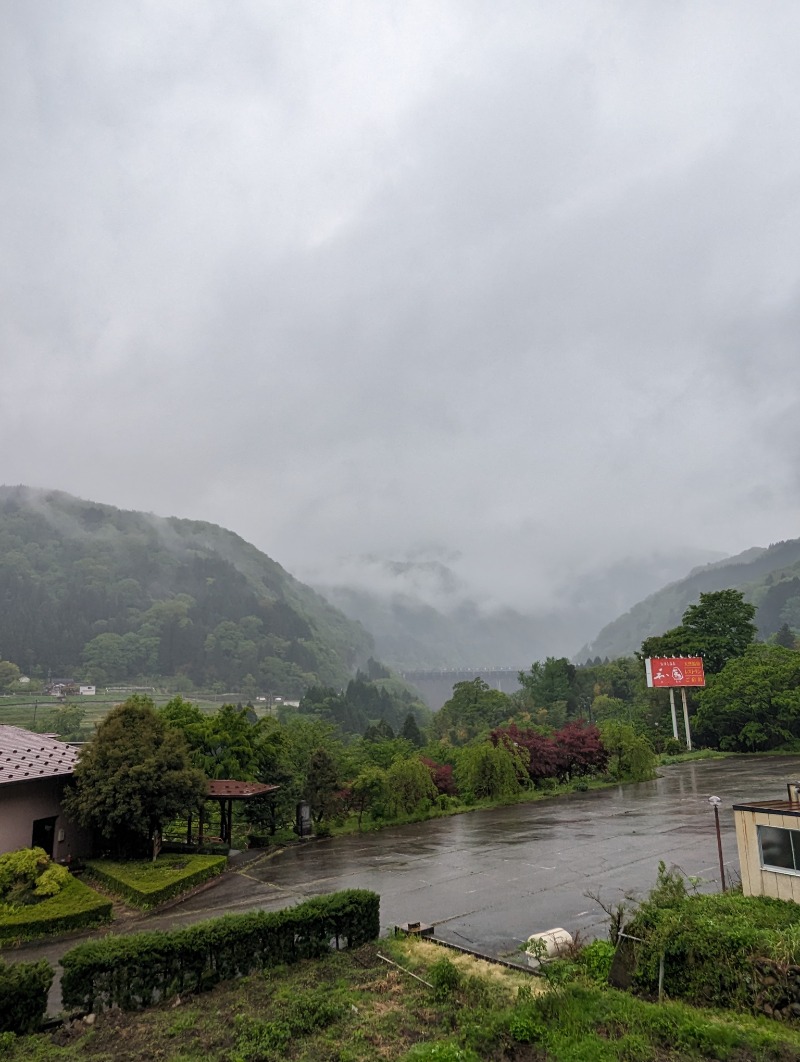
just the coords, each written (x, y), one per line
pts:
(675, 671)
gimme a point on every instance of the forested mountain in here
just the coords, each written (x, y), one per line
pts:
(769, 579)
(93, 591)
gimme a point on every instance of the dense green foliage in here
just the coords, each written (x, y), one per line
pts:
(367, 702)
(754, 703)
(719, 628)
(111, 596)
(27, 876)
(146, 884)
(75, 906)
(710, 942)
(134, 971)
(132, 777)
(23, 995)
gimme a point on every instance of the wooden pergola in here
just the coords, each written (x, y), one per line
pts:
(226, 790)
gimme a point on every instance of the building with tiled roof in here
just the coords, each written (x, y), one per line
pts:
(34, 769)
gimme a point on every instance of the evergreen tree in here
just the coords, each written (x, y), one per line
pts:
(785, 637)
(411, 731)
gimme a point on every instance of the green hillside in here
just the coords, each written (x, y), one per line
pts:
(769, 578)
(94, 592)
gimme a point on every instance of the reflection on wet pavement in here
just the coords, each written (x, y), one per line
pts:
(494, 877)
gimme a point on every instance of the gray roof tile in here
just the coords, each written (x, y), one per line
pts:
(25, 756)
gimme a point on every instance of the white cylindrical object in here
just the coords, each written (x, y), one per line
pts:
(553, 943)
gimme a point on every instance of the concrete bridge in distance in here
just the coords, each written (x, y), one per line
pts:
(435, 686)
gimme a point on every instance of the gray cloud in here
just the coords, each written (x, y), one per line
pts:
(517, 280)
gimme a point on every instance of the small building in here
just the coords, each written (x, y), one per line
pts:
(768, 839)
(34, 769)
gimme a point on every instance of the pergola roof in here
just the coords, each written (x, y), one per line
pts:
(230, 788)
(25, 756)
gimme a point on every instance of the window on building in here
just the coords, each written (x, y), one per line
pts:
(779, 848)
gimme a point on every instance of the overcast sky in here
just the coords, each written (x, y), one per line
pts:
(512, 281)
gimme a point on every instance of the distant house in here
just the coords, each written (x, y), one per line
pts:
(768, 838)
(34, 769)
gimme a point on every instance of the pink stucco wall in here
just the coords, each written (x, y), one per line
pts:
(22, 802)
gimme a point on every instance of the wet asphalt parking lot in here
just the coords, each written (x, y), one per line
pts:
(490, 878)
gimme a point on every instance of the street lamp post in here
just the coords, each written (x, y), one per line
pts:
(715, 802)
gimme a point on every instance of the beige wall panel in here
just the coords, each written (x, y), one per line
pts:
(784, 884)
(741, 845)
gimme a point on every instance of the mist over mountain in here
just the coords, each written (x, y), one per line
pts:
(109, 595)
(425, 611)
(768, 577)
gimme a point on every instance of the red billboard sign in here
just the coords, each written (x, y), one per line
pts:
(675, 671)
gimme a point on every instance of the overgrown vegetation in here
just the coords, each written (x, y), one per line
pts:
(711, 944)
(353, 1006)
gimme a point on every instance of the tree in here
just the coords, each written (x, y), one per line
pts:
(409, 785)
(368, 788)
(718, 628)
(473, 709)
(323, 783)
(66, 721)
(132, 777)
(9, 674)
(551, 685)
(754, 703)
(785, 637)
(380, 731)
(489, 771)
(630, 753)
(411, 731)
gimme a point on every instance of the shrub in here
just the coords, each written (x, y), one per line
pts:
(23, 995)
(74, 907)
(710, 942)
(146, 884)
(27, 876)
(596, 959)
(137, 970)
(445, 977)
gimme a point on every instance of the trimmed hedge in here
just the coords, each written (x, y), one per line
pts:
(146, 884)
(23, 995)
(136, 971)
(74, 907)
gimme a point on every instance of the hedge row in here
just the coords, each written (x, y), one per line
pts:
(147, 884)
(74, 907)
(23, 995)
(136, 971)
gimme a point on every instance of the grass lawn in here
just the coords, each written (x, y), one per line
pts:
(146, 884)
(75, 907)
(353, 1007)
